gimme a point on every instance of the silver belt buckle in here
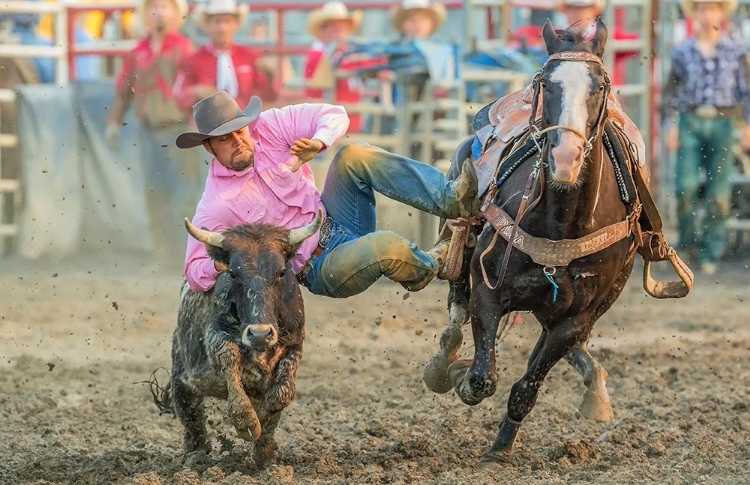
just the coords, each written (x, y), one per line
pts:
(707, 111)
(325, 232)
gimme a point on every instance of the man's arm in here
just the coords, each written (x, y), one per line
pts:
(671, 92)
(307, 129)
(187, 91)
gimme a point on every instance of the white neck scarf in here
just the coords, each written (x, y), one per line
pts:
(226, 78)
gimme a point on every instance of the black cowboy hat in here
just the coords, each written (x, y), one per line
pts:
(218, 115)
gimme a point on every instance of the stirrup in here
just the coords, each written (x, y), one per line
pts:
(669, 289)
(454, 258)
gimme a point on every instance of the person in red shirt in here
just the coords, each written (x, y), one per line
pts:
(222, 65)
(146, 79)
(332, 25)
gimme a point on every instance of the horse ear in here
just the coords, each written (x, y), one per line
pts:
(551, 40)
(600, 38)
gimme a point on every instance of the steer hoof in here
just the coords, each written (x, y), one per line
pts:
(196, 458)
(246, 422)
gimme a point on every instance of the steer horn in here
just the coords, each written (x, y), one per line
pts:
(206, 237)
(296, 236)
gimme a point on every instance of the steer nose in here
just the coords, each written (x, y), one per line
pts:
(263, 335)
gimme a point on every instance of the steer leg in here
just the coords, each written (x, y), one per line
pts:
(266, 447)
(188, 407)
(284, 386)
(229, 359)
(595, 404)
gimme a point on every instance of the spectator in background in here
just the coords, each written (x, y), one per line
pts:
(583, 14)
(707, 85)
(332, 27)
(270, 63)
(23, 29)
(222, 65)
(418, 19)
(148, 74)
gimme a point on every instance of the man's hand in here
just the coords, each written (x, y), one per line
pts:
(220, 267)
(745, 138)
(673, 139)
(305, 150)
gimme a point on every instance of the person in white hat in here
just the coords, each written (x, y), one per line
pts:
(223, 65)
(145, 80)
(418, 19)
(706, 89)
(332, 26)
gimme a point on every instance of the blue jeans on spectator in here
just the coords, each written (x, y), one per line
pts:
(357, 255)
(704, 143)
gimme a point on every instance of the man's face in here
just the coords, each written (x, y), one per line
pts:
(236, 150)
(336, 31)
(417, 24)
(582, 17)
(222, 29)
(160, 15)
(709, 15)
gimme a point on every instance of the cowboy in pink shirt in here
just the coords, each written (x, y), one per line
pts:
(258, 174)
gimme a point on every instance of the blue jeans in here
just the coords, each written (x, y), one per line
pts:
(704, 144)
(357, 255)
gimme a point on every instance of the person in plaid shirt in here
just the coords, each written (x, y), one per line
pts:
(145, 81)
(706, 88)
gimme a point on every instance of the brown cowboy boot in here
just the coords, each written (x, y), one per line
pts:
(440, 253)
(466, 191)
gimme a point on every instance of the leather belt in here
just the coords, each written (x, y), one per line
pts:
(709, 112)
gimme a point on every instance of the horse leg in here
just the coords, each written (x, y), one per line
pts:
(554, 346)
(436, 376)
(477, 379)
(595, 404)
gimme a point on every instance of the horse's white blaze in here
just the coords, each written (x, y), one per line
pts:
(575, 79)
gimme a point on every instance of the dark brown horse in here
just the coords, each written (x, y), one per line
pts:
(568, 191)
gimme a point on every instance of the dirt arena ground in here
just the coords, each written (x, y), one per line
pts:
(75, 338)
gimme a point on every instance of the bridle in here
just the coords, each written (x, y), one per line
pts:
(537, 173)
(536, 133)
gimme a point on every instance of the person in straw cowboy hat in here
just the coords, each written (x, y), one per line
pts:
(258, 174)
(145, 80)
(223, 65)
(418, 19)
(332, 26)
(706, 88)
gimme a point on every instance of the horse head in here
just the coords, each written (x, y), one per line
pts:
(573, 86)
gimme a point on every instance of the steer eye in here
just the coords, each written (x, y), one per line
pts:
(282, 273)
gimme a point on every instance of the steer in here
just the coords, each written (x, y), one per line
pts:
(241, 341)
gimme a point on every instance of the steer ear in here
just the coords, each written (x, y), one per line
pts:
(218, 254)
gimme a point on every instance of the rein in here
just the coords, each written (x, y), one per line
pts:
(537, 174)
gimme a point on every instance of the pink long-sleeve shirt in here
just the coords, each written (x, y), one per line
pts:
(268, 191)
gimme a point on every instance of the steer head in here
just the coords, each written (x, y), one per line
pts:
(259, 276)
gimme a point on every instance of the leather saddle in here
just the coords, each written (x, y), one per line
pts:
(505, 121)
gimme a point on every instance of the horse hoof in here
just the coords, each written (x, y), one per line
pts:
(596, 407)
(435, 375)
(493, 460)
